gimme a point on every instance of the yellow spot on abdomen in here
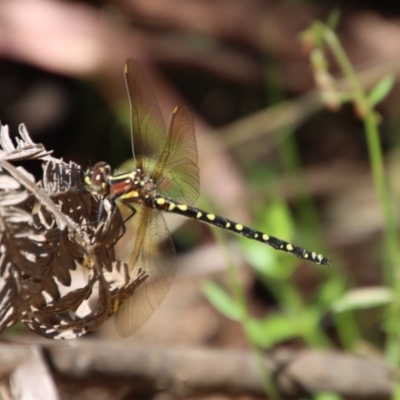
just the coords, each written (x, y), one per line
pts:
(289, 247)
(228, 225)
(160, 201)
(265, 237)
(255, 235)
(199, 214)
(183, 207)
(239, 227)
(211, 217)
(171, 206)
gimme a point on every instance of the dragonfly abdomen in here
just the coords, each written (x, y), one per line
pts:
(168, 205)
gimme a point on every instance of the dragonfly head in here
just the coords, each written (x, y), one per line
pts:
(97, 178)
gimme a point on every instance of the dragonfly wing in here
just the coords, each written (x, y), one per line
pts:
(148, 127)
(154, 253)
(176, 173)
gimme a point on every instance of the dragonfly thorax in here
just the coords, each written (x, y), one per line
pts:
(133, 186)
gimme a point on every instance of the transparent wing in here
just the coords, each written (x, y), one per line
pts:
(148, 127)
(153, 252)
(176, 173)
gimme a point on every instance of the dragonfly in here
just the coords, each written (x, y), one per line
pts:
(165, 180)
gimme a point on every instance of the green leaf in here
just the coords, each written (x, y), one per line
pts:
(381, 90)
(222, 301)
(330, 290)
(362, 299)
(278, 219)
(277, 328)
(259, 256)
(274, 329)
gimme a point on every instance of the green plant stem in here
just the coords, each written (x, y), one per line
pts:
(374, 146)
(392, 255)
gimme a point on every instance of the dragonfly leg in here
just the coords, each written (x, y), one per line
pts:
(124, 218)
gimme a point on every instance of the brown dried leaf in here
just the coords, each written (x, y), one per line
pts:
(49, 230)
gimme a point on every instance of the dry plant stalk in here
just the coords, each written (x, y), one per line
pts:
(58, 272)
